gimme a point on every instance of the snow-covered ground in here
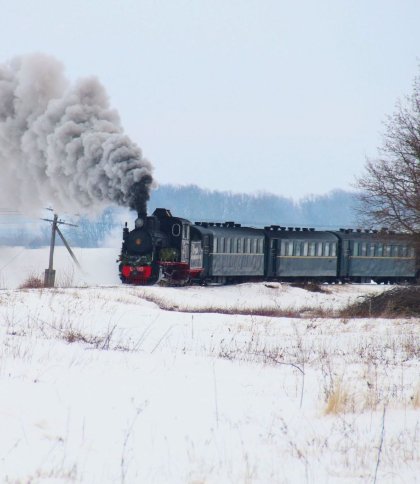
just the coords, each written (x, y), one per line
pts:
(102, 383)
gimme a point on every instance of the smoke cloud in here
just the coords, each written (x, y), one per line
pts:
(62, 144)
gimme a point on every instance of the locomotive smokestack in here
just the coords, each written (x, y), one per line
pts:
(63, 144)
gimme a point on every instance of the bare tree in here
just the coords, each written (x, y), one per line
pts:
(390, 188)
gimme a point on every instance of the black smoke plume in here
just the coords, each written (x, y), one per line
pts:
(62, 144)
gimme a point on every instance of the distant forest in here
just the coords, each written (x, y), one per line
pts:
(331, 211)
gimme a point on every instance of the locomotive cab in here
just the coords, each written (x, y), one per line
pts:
(158, 247)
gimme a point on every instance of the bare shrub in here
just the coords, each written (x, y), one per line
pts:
(397, 302)
(32, 282)
(311, 286)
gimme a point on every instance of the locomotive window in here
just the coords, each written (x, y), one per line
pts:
(176, 230)
(356, 249)
(215, 240)
(297, 248)
(305, 248)
(327, 249)
(333, 250)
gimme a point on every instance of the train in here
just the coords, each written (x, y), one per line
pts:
(174, 251)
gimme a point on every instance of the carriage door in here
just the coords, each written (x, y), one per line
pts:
(274, 244)
(185, 243)
(196, 257)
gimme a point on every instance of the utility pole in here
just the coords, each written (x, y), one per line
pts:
(49, 278)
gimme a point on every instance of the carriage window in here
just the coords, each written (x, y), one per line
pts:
(260, 246)
(402, 251)
(305, 248)
(222, 245)
(411, 252)
(363, 247)
(240, 245)
(247, 246)
(319, 249)
(333, 250)
(215, 245)
(283, 248)
(394, 250)
(297, 248)
(327, 249)
(355, 249)
(379, 250)
(186, 231)
(311, 250)
(289, 246)
(254, 246)
(387, 250)
(371, 250)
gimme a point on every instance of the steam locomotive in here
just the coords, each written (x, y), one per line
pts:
(162, 247)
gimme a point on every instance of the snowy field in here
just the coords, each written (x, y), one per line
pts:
(101, 383)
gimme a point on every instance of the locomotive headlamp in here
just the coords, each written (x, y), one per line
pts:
(139, 223)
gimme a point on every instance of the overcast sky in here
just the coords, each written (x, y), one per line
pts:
(287, 97)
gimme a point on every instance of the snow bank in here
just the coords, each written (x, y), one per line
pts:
(101, 385)
(99, 266)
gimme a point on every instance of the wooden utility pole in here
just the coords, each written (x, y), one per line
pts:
(49, 278)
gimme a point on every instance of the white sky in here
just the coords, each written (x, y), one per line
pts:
(281, 96)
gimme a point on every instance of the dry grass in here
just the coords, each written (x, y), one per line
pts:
(338, 401)
(416, 398)
(266, 311)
